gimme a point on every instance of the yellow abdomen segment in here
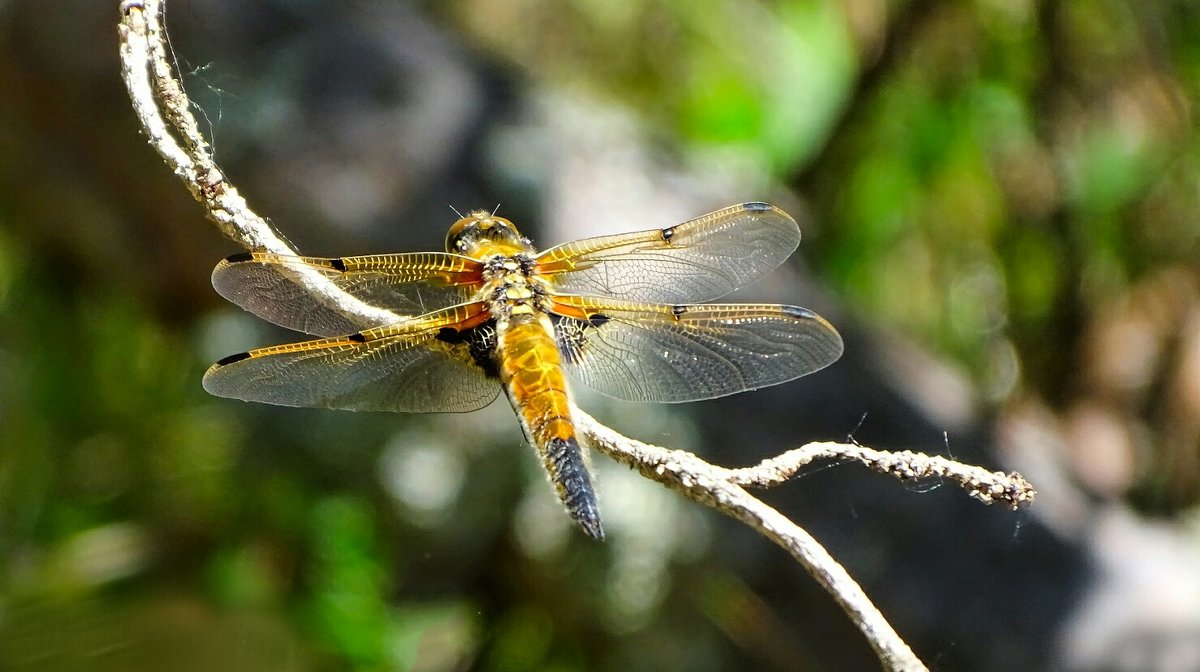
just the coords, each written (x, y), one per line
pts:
(531, 371)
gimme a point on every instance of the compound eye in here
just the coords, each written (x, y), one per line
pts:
(505, 227)
(455, 238)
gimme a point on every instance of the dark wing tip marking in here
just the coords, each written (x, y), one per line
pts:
(668, 233)
(239, 257)
(757, 206)
(598, 319)
(357, 338)
(338, 264)
(799, 313)
(832, 340)
(226, 361)
(680, 310)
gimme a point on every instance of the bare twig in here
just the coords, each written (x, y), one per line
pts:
(988, 487)
(165, 113)
(156, 93)
(718, 488)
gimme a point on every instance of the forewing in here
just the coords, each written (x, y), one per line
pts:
(643, 352)
(269, 285)
(702, 259)
(419, 365)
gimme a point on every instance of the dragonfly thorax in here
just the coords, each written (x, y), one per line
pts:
(513, 288)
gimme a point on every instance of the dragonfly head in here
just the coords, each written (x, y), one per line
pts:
(481, 233)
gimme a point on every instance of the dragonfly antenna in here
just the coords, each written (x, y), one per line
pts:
(455, 210)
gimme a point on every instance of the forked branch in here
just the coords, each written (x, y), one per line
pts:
(165, 113)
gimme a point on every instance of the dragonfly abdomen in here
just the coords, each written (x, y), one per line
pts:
(531, 370)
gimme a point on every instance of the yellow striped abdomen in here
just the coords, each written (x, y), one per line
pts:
(531, 371)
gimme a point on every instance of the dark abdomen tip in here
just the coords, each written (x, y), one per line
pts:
(574, 485)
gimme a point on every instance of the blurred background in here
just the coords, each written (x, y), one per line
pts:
(1000, 203)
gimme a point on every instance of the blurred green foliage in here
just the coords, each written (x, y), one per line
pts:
(991, 167)
(765, 79)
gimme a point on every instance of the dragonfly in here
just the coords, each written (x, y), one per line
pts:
(623, 314)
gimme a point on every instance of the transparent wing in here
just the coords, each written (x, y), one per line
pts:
(645, 352)
(420, 365)
(410, 284)
(702, 259)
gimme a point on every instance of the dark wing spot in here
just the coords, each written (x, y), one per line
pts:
(797, 312)
(449, 335)
(668, 233)
(756, 206)
(357, 338)
(598, 319)
(338, 264)
(571, 335)
(226, 361)
(481, 342)
(239, 257)
(678, 310)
